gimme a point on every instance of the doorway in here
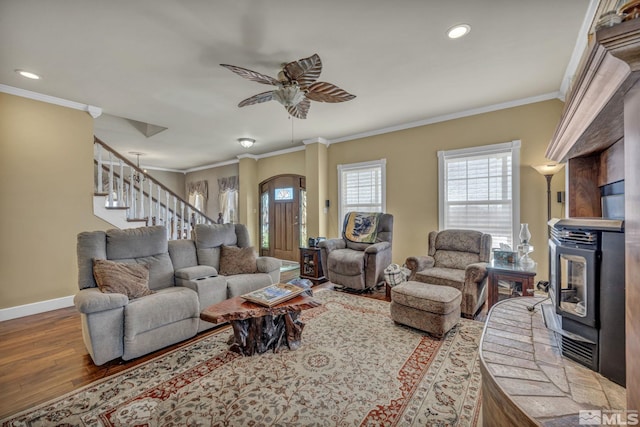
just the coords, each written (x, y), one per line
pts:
(283, 213)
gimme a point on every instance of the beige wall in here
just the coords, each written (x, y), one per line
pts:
(289, 163)
(46, 189)
(412, 171)
(211, 176)
(174, 181)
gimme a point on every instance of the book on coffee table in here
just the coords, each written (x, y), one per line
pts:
(274, 294)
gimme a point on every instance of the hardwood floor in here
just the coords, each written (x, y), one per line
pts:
(43, 357)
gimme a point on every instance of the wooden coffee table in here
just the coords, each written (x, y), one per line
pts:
(256, 328)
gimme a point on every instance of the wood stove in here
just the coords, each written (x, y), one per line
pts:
(587, 292)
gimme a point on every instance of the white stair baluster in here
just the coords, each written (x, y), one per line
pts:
(150, 201)
(132, 195)
(158, 207)
(99, 158)
(120, 195)
(175, 218)
(166, 215)
(110, 197)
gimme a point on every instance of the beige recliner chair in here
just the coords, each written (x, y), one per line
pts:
(359, 265)
(456, 258)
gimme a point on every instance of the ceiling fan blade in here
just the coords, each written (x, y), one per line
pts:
(327, 92)
(256, 99)
(305, 71)
(251, 75)
(300, 110)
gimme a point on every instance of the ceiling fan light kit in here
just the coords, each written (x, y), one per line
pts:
(246, 142)
(296, 86)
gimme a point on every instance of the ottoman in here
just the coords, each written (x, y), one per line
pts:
(431, 308)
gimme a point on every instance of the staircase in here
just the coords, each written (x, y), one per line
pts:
(126, 197)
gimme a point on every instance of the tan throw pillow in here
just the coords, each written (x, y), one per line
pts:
(121, 278)
(235, 260)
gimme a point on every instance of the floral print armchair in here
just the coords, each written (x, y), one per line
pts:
(456, 258)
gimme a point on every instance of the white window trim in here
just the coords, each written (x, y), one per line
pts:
(362, 165)
(514, 146)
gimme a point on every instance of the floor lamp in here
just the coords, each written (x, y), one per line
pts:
(548, 170)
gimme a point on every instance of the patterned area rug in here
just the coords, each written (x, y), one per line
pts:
(355, 367)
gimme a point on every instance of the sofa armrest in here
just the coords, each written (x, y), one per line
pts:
(267, 264)
(377, 247)
(475, 273)
(418, 263)
(92, 300)
(332, 244)
(196, 272)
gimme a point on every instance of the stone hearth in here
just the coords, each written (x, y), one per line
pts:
(525, 379)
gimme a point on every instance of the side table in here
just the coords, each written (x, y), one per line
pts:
(311, 265)
(516, 273)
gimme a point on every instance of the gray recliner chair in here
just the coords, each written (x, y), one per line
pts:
(356, 265)
(459, 259)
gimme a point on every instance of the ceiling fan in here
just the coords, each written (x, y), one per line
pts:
(296, 86)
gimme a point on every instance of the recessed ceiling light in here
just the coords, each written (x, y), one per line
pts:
(28, 74)
(458, 31)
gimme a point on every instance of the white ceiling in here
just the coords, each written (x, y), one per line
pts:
(157, 61)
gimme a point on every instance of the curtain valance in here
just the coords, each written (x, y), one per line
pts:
(228, 183)
(201, 187)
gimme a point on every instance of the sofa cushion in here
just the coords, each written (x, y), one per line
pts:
(458, 240)
(215, 235)
(244, 283)
(347, 262)
(162, 308)
(442, 276)
(131, 280)
(136, 242)
(455, 259)
(235, 260)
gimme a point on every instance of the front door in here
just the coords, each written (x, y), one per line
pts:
(282, 216)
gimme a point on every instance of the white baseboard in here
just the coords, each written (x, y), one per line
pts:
(35, 308)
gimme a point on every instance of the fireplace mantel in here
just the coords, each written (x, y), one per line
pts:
(593, 117)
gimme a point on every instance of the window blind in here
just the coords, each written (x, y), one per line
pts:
(476, 190)
(361, 188)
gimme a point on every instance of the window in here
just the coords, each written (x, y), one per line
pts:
(361, 187)
(284, 193)
(197, 195)
(264, 231)
(476, 190)
(228, 199)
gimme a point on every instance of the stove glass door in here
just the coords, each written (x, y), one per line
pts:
(573, 285)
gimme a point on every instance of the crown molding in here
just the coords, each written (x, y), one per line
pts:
(94, 111)
(452, 116)
(211, 166)
(317, 140)
(579, 48)
(247, 156)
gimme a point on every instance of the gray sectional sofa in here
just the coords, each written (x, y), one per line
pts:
(183, 275)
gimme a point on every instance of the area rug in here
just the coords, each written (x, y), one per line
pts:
(355, 367)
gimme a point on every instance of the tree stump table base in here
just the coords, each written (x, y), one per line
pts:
(259, 334)
(256, 328)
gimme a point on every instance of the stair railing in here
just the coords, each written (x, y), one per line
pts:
(127, 187)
